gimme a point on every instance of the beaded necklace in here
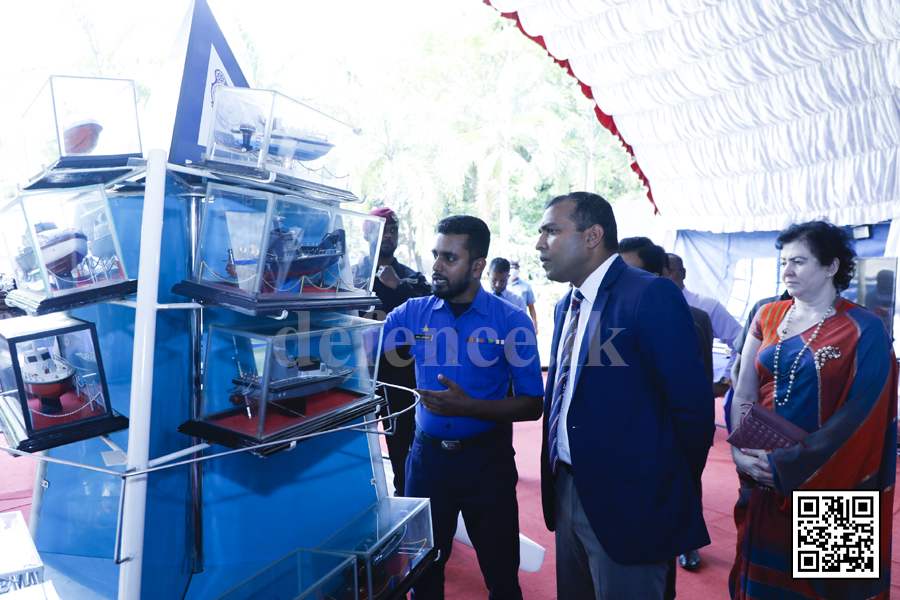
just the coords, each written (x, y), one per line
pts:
(781, 337)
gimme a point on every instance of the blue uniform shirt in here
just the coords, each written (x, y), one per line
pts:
(487, 345)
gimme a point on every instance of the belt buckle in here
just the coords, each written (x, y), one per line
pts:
(451, 445)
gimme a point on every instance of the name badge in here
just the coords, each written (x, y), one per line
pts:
(422, 338)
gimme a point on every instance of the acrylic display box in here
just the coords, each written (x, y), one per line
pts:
(265, 134)
(393, 543)
(63, 250)
(266, 381)
(20, 563)
(52, 385)
(262, 253)
(874, 287)
(301, 575)
(81, 123)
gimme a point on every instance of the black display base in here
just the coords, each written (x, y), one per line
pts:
(271, 307)
(316, 191)
(37, 304)
(75, 171)
(53, 437)
(401, 590)
(233, 439)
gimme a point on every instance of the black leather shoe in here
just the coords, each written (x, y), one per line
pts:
(689, 560)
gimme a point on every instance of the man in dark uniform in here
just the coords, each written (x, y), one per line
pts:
(467, 344)
(395, 283)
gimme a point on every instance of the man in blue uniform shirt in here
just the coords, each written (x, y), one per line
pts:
(467, 345)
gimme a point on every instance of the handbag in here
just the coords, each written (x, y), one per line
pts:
(763, 429)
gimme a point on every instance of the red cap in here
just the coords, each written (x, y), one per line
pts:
(389, 215)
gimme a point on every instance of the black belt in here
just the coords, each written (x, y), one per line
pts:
(468, 443)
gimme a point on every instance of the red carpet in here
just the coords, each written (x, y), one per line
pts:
(464, 581)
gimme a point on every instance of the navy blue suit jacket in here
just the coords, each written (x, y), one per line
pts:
(641, 420)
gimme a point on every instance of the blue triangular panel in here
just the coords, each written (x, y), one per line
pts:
(208, 60)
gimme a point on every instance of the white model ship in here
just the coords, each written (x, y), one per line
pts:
(62, 249)
(45, 376)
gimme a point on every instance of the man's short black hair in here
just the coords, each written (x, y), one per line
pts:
(592, 209)
(499, 265)
(653, 257)
(478, 241)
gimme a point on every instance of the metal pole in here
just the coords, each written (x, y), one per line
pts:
(37, 495)
(196, 318)
(135, 503)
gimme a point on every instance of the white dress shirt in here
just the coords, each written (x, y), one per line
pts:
(725, 327)
(588, 289)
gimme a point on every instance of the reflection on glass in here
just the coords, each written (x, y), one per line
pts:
(874, 287)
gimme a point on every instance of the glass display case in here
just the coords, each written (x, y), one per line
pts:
(392, 541)
(261, 253)
(63, 250)
(267, 381)
(81, 122)
(263, 133)
(52, 385)
(874, 287)
(301, 575)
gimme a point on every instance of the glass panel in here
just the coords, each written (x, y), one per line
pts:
(300, 575)
(874, 287)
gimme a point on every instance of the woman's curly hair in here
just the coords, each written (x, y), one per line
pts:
(826, 242)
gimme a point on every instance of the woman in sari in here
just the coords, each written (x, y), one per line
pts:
(826, 365)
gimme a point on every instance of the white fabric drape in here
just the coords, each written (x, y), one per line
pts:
(743, 114)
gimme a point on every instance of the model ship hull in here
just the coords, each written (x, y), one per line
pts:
(298, 148)
(298, 387)
(63, 254)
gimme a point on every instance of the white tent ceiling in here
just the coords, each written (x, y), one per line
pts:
(742, 114)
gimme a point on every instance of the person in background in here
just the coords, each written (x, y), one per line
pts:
(498, 274)
(826, 365)
(881, 300)
(519, 286)
(468, 344)
(725, 327)
(628, 412)
(642, 253)
(395, 283)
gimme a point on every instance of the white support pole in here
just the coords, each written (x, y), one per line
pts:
(135, 488)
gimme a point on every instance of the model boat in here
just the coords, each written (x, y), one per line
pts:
(81, 135)
(299, 147)
(289, 258)
(298, 382)
(62, 249)
(46, 377)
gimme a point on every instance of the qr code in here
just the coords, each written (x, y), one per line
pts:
(836, 534)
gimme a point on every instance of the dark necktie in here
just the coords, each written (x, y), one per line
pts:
(562, 375)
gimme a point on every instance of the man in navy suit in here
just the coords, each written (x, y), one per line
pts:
(628, 412)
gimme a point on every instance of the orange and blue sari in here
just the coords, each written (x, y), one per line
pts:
(848, 404)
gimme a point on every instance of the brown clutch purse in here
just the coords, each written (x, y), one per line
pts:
(762, 429)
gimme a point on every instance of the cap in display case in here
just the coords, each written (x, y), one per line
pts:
(262, 253)
(52, 385)
(263, 133)
(392, 541)
(265, 380)
(80, 123)
(63, 249)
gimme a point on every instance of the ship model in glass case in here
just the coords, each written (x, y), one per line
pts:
(266, 135)
(52, 385)
(266, 381)
(392, 541)
(80, 130)
(63, 249)
(262, 253)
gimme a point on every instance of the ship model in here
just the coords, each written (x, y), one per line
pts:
(287, 258)
(46, 377)
(62, 250)
(290, 387)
